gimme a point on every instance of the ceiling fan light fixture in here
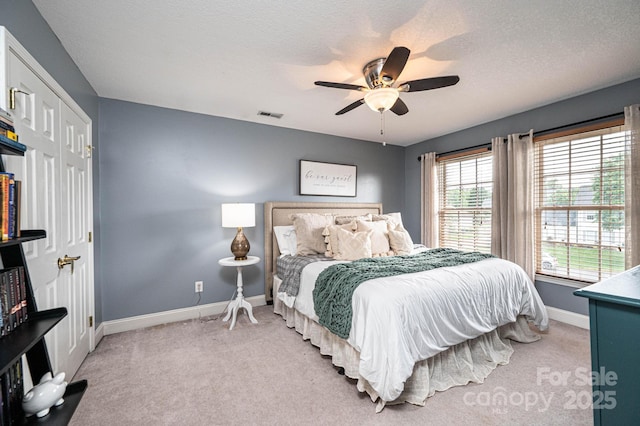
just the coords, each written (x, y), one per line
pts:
(381, 99)
(381, 75)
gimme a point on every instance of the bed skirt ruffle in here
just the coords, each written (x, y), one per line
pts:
(468, 362)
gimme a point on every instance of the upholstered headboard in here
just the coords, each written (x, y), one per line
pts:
(277, 213)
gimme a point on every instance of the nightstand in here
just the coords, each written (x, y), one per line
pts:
(239, 301)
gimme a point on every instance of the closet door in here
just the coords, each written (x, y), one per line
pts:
(56, 197)
(74, 241)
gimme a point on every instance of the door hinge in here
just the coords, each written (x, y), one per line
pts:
(91, 321)
(90, 236)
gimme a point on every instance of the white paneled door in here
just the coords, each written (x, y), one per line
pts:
(56, 197)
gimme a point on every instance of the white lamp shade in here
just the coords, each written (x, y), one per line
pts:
(238, 215)
(381, 99)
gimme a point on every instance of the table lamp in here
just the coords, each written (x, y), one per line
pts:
(239, 215)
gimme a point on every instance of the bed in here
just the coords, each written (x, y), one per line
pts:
(408, 335)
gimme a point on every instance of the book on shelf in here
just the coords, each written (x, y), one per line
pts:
(11, 208)
(9, 134)
(6, 305)
(4, 124)
(7, 395)
(17, 206)
(12, 144)
(6, 119)
(4, 310)
(23, 293)
(12, 392)
(13, 298)
(7, 186)
(10, 203)
(16, 282)
(5, 115)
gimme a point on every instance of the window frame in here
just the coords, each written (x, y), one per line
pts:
(613, 126)
(477, 154)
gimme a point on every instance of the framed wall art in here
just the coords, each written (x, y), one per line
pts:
(338, 180)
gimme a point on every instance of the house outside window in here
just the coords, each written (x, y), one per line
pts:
(465, 189)
(579, 199)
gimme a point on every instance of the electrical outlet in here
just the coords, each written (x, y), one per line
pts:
(199, 286)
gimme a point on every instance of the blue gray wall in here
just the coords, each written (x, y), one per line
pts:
(585, 107)
(24, 22)
(164, 174)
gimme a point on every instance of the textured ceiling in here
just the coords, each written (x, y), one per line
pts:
(233, 59)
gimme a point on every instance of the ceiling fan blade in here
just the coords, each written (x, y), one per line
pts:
(428, 83)
(340, 85)
(349, 107)
(394, 64)
(399, 108)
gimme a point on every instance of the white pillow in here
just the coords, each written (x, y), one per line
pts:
(394, 219)
(286, 237)
(400, 240)
(353, 245)
(342, 220)
(379, 237)
(331, 237)
(309, 228)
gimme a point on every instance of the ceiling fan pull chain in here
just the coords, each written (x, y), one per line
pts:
(384, 143)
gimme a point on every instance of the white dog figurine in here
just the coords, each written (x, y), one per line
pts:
(44, 395)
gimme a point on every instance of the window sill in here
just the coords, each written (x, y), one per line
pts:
(561, 281)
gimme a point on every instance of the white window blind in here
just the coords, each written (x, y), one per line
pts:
(465, 190)
(579, 197)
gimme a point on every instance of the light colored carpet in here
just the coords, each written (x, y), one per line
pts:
(200, 373)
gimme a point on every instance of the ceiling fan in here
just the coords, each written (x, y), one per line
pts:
(380, 75)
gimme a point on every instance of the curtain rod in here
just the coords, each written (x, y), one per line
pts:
(520, 136)
(578, 123)
(469, 148)
(538, 133)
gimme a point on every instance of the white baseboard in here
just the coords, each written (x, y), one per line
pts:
(150, 320)
(98, 334)
(568, 317)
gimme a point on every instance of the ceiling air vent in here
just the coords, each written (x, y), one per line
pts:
(269, 114)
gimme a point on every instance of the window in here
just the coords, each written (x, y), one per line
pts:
(465, 191)
(579, 199)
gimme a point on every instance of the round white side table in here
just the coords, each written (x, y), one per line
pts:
(239, 301)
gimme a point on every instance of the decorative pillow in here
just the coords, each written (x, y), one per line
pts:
(331, 237)
(286, 237)
(379, 237)
(353, 245)
(309, 228)
(400, 240)
(341, 220)
(393, 218)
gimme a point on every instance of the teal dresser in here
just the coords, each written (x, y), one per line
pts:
(614, 318)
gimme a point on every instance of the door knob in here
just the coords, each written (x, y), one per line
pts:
(66, 260)
(12, 96)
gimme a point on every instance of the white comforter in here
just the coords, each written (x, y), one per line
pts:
(400, 320)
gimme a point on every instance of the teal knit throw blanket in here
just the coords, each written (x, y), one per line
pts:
(336, 284)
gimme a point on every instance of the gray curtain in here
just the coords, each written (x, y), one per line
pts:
(512, 236)
(632, 186)
(429, 203)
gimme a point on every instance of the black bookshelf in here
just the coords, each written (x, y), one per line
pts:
(8, 149)
(28, 338)
(25, 337)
